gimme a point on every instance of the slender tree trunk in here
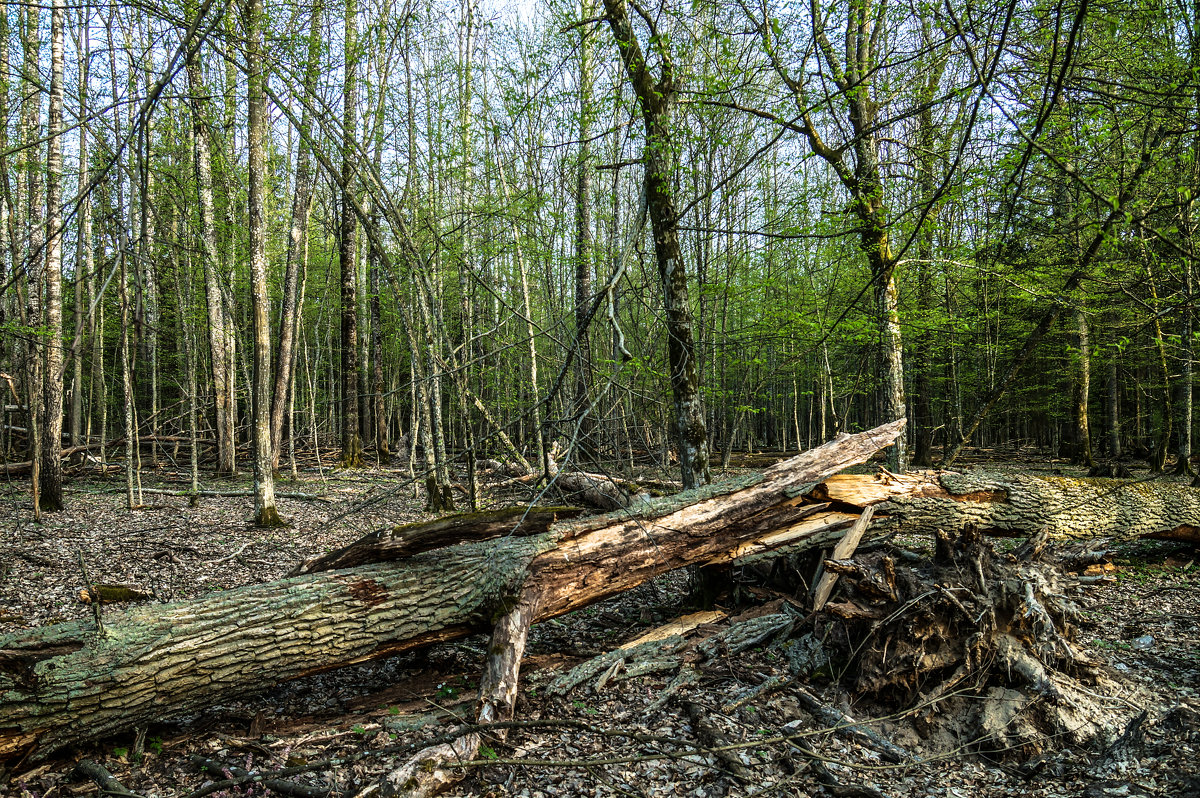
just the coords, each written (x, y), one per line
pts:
(297, 252)
(51, 492)
(583, 239)
(691, 431)
(220, 337)
(33, 255)
(1083, 435)
(352, 456)
(147, 316)
(1114, 407)
(84, 265)
(265, 512)
(379, 402)
(127, 388)
(1184, 401)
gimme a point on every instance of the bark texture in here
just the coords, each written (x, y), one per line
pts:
(66, 683)
(265, 512)
(352, 453)
(1065, 507)
(50, 492)
(220, 324)
(297, 256)
(656, 97)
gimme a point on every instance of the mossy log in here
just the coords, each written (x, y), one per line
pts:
(66, 683)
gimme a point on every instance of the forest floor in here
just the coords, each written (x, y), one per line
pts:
(1144, 624)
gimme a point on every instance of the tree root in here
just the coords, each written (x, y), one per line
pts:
(997, 627)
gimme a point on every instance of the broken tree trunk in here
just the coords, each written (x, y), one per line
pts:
(1014, 505)
(65, 683)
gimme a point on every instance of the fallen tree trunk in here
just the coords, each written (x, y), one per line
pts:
(595, 490)
(66, 683)
(1014, 505)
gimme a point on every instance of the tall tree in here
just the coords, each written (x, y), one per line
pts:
(583, 233)
(297, 246)
(220, 319)
(51, 489)
(265, 512)
(656, 95)
(846, 80)
(352, 449)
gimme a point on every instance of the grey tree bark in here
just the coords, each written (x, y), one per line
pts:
(65, 683)
(297, 253)
(352, 450)
(220, 321)
(50, 473)
(265, 512)
(583, 238)
(1083, 382)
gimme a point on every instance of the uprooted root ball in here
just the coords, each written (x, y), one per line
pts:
(978, 645)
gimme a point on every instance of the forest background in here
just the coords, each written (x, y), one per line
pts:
(437, 232)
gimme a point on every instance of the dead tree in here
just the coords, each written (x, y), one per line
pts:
(68, 683)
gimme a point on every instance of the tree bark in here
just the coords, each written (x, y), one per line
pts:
(656, 97)
(1014, 505)
(265, 512)
(220, 332)
(50, 473)
(585, 425)
(352, 451)
(297, 254)
(85, 324)
(1183, 402)
(1083, 382)
(65, 683)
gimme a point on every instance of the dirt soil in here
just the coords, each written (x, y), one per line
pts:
(699, 731)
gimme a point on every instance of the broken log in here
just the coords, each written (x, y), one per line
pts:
(595, 490)
(66, 683)
(1016, 505)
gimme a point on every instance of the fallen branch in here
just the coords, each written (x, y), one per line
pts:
(281, 786)
(103, 779)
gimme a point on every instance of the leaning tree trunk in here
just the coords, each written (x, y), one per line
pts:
(67, 683)
(297, 257)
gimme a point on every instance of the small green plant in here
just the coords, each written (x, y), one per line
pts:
(446, 690)
(359, 730)
(580, 705)
(393, 710)
(120, 753)
(155, 745)
(488, 753)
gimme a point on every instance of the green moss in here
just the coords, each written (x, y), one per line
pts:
(269, 518)
(112, 594)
